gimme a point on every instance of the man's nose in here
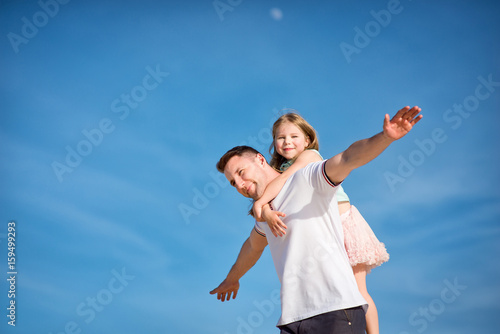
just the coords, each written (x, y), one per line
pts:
(240, 185)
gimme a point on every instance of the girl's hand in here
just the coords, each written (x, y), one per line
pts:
(273, 221)
(257, 211)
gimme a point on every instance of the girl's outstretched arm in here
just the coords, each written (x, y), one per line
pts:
(363, 151)
(273, 189)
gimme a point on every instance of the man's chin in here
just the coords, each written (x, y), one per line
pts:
(253, 193)
(256, 196)
(249, 195)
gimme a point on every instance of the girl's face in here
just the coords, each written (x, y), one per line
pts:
(290, 141)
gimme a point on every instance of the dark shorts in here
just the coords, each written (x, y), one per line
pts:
(348, 321)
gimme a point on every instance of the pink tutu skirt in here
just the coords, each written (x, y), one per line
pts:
(360, 242)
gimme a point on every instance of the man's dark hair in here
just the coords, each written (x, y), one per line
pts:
(235, 151)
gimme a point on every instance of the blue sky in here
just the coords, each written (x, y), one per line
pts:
(115, 113)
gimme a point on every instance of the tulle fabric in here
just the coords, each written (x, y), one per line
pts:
(360, 242)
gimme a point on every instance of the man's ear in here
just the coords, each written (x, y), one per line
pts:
(261, 160)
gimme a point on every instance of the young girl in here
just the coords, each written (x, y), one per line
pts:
(295, 145)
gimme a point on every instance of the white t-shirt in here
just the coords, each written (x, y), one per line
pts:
(310, 259)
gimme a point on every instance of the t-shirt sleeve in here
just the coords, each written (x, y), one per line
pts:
(259, 229)
(318, 178)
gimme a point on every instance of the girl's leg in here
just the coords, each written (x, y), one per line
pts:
(372, 314)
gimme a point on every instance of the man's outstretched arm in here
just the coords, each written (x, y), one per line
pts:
(249, 254)
(364, 151)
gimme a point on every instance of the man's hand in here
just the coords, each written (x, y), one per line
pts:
(226, 289)
(401, 123)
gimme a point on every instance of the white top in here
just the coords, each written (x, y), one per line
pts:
(341, 194)
(310, 259)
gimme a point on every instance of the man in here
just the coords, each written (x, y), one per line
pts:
(318, 290)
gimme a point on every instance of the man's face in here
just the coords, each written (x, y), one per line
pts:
(246, 174)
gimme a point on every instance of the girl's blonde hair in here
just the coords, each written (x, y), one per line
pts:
(301, 123)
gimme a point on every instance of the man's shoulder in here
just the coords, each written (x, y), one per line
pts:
(312, 168)
(314, 175)
(307, 173)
